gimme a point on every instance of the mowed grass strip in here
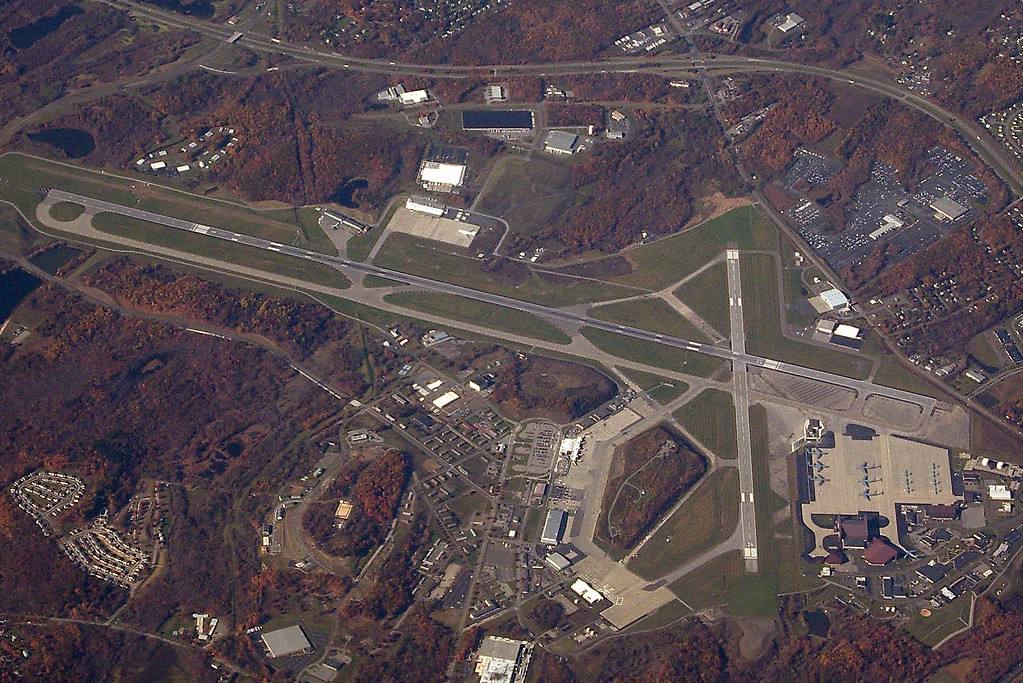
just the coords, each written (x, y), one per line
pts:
(406, 254)
(652, 353)
(238, 254)
(707, 518)
(762, 319)
(666, 261)
(707, 295)
(66, 211)
(661, 389)
(710, 584)
(30, 173)
(655, 315)
(479, 313)
(710, 417)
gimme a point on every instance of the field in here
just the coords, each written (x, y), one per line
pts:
(530, 386)
(408, 255)
(660, 389)
(707, 295)
(242, 255)
(66, 211)
(764, 337)
(528, 193)
(710, 584)
(29, 174)
(479, 313)
(666, 261)
(648, 475)
(891, 373)
(649, 314)
(707, 518)
(710, 418)
(652, 353)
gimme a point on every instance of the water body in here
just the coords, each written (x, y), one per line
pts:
(193, 8)
(818, 623)
(345, 195)
(28, 35)
(52, 259)
(15, 285)
(74, 142)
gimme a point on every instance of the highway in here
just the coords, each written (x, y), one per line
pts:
(555, 315)
(740, 394)
(990, 150)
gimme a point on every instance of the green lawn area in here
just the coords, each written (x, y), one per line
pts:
(981, 349)
(710, 584)
(707, 517)
(762, 318)
(660, 389)
(530, 193)
(891, 373)
(66, 211)
(710, 417)
(659, 264)
(707, 295)
(419, 257)
(649, 314)
(28, 174)
(652, 353)
(239, 254)
(377, 281)
(943, 621)
(479, 313)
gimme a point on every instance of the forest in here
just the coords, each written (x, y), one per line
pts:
(661, 464)
(648, 185)
(374, 487)
(535, 386)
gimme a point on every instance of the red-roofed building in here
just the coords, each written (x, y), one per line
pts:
(879, 553)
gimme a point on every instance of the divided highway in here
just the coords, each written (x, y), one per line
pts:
(865, 388)
(986, 147)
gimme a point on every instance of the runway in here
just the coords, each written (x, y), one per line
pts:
(863, 387)
(740, 395)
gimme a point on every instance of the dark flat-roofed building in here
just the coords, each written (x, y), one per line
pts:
(934, 572)
(498, 120)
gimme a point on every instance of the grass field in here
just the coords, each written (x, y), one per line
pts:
(649, 314)
(666, 261)
(710, 584)
(529, 193)
(239, 254)
(377, 281)
(710, 417)
(408, 255)
(479, 313)
(891, 373)
(660, 389)
(762, 317)
(29, 174)
(66, 211)
(707, 517)
(652, 353)
(707, 295)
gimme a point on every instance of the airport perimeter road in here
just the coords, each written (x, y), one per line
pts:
(740, 392)
(555, 315)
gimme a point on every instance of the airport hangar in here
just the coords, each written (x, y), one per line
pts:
(866, 472)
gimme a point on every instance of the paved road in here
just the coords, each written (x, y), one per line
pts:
(553, 314)
(989, 149)
(740, 393)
